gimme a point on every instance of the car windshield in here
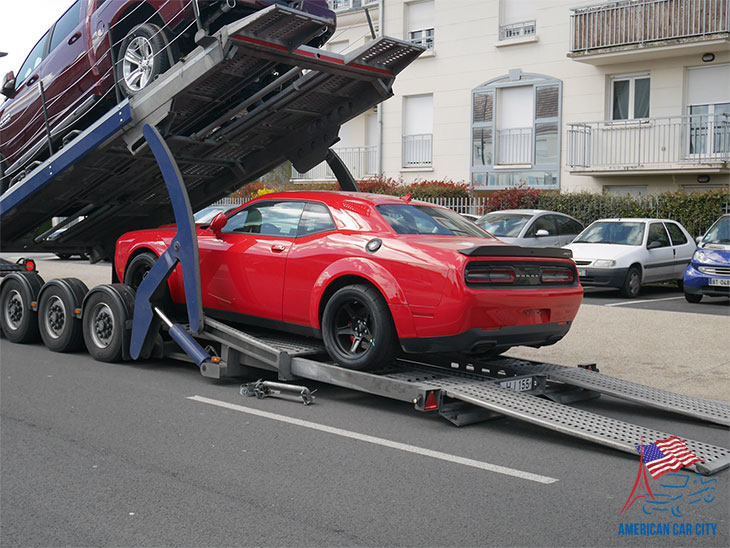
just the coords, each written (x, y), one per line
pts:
(504, 225)
(420, 219)
(205, 215)
(719, 233)
(612, 232)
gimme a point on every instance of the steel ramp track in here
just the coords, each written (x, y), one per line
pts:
(231, 111)
(606, 431)
(714, 411)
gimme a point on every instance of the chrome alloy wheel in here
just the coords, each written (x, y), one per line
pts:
(138, 62)
(55, 317)
(14, 309)
(102, 330)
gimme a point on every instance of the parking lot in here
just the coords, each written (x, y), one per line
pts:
(160, 456)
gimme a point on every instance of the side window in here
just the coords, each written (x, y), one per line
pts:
(545, 222)
(267, 218)
(32, 61)
(66, 24)
(568, 227)
(678, 237)
(315, 218)
(658, 234)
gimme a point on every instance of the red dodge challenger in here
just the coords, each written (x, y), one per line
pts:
(371, 275)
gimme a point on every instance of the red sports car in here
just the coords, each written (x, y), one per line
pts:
(371, 275)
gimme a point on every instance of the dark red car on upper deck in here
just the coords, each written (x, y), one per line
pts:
(94, 44)
(371, 275)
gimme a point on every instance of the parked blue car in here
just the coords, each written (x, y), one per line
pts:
(709, 271)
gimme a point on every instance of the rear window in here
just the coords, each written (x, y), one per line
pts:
(420, 219)
(504, 225)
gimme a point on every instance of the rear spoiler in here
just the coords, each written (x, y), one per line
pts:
(517, 251)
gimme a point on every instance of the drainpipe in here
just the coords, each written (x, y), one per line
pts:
(379, 152)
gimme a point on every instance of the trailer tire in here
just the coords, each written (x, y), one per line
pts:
(16, 315)
(60, 329)
(103, 327)
(141, 59)
(358, 330)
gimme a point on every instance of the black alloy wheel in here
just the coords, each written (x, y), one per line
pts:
(358, 330)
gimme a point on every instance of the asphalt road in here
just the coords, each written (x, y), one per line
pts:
(657, 297)
(95, 454)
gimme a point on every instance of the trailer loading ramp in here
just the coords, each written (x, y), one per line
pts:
(244, 101)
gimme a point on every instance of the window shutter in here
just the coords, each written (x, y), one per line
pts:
(420, 16)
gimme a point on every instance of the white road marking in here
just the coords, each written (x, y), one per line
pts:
(644, 301)
(381, 441)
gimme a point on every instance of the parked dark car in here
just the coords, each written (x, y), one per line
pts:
(73, 61)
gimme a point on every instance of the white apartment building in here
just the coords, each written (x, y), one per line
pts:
(629, 96)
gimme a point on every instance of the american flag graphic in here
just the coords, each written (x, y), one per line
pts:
(667, 455)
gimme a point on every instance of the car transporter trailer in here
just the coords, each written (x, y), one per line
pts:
(224, 127)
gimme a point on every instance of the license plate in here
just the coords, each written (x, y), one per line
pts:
(519, 385)
(722, 282)
(581, 272)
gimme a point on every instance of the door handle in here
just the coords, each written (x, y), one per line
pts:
(33, 80)
(75, 37)
(278, 248)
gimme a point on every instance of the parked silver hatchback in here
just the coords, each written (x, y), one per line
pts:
(531, 227)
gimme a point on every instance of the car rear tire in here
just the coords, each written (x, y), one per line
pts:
(692, 298)
(142, 58)
(138, 268)
(632, 283)
(358, 330)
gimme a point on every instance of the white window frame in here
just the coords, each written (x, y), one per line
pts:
(631, 78)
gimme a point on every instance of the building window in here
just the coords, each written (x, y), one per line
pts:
(344, 5)
(708, 109)
(630, 97)
(420, 21)
(516, 132)
(417, 131)
(516, 19)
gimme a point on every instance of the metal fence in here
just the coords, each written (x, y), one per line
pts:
(637, 22)
(514, 146)
(361, 161)
(417, 150)
(659, 142)
(344, 5)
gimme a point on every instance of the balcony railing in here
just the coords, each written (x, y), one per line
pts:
(514, 146)
(671, 142)
(515, 30)
(629, 22)
(345, 5)
(361, 161)
(417, 150)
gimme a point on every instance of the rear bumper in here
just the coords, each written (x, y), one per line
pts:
(478, 340)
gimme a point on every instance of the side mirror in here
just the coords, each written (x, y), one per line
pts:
(8, 88)
(541, 233)
(698, 239)
(654, 244)
(217, 224)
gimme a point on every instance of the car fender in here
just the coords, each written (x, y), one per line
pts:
(374, 273)
(127, 248)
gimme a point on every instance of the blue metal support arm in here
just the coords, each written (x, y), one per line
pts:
(183, 249)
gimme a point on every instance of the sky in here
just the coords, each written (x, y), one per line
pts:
(22, 23)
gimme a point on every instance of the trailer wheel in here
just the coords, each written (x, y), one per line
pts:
(103, 327)
(60, 328)
(357, 328)
(142, 58)
(17, 318)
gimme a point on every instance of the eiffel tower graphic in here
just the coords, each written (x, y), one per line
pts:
(641, 475)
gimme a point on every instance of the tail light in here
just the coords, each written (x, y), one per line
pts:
(556, 275)
(30, 265)
(490, 275)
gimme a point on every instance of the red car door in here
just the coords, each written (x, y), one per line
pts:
(244, 272)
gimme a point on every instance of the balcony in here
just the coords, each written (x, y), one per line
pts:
(361, 161)
(417, 150)
(514, 146)
(647, 29)
(672, 144)
(347, 5)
